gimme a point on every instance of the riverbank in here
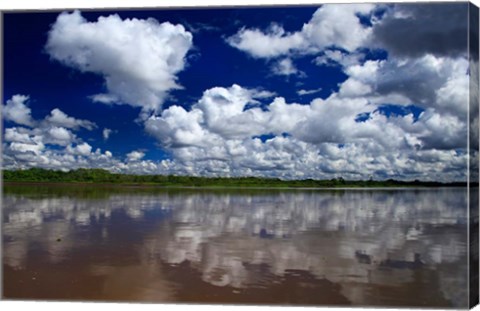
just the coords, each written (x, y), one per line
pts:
(104, 177)
(219, 186)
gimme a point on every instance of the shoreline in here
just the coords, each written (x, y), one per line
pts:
(217, 187)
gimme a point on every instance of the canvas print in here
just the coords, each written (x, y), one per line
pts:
(321, 155)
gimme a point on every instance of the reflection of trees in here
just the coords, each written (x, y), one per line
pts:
(224, 235)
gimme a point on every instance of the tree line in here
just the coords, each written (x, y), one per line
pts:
(103, 176)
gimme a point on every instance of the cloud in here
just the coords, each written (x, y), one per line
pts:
(434, 83)
(104, 99)
(59, 133)
(332, 25)
(135, 156)
(22, 156)
(176, 127)
(338, 25)
(320, 140)
(58, 136)
(444, 131)
(404, 30)
(55, 129)
(23, 141)
(52, 146)
(285, 67)
(268, 44)
(354, 88)
(82, 149)
(17, 111)
(220, 114)
(59, 118)
(49, 143)
(303, 92)
(138, 58)
(336, 57)
(262, 94)
(17, 135)
(429, 82)
(237, 131)
(27, 148)
(413, 30)
(223, 135)
(106, 133)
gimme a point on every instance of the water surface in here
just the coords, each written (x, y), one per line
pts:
(373, 247)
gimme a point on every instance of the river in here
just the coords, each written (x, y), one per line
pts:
(370, 247)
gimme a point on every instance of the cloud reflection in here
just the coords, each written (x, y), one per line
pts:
(329, 234)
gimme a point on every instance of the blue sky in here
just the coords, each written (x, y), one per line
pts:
(350, 90)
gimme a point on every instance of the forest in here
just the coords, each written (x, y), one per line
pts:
(39, 175)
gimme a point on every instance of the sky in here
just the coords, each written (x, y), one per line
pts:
(356, 91)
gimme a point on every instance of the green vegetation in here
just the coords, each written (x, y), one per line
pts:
(105, 177)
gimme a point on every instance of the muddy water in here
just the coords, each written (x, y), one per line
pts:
(301, 247)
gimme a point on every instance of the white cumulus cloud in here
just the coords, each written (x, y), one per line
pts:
(135, 155)
(59, 136)
(221, 135)
(59, 118)
(106, 133)
(285, 67)
(138, 58)
(238, 131)
(332, 25)
(81, 149)
(17, 111)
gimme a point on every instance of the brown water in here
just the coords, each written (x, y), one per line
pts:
(298, 247)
